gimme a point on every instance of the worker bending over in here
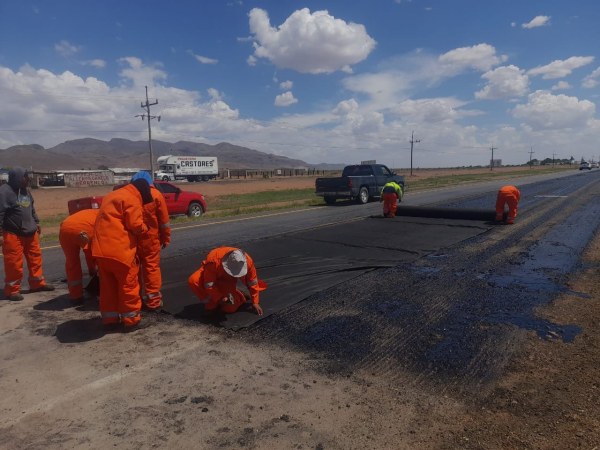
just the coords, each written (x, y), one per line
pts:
(215, 283)
(75, 234)
(116, 234)
(507, 195)
(390, 194)
(156, 218)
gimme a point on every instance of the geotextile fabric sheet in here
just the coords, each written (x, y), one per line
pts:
(297, 265)
(447, 213)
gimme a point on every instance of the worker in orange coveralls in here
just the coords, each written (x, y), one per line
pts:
(116, 233)
(390, 193)
(20, 230)
(156, 218)
(215, 283)
(75, 234)
(507, 195)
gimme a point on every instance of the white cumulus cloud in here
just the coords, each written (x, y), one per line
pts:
(430, 110)
(141, 74)
(480, 57)
(504, 82)
(591, 81)
(286, 85)
(309, 42)
(537, 21)
(561, 86)
(546, 111)
(345, 107)
(285, 99)
(561, 68)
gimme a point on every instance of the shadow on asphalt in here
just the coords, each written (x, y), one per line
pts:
(63, 303)
(80, 330)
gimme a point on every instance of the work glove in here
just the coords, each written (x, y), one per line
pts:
(229, 299)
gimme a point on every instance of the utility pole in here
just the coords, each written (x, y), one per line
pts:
(553, 156)
(412, 141)
(147, 106)
(531, 152)
(492, 148)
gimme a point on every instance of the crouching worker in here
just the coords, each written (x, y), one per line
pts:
(215, 283)
(507, 195)
(390, 194)
(75, 235)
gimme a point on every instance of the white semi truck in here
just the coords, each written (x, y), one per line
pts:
(191, 168)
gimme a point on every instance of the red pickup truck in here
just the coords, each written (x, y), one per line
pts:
(178, 201)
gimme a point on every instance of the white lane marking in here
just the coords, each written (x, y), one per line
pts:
(175, 228)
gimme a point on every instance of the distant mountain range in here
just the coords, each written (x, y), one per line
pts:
(93, 153)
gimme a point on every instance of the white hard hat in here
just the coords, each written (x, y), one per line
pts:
(235, 263)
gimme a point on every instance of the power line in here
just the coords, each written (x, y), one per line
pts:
(412, 141)
(492, 148)
(531, 152)
(147, 106)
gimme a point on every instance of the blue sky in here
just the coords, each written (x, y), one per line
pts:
(322, 81)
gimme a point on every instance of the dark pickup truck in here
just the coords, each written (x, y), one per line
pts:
(359, 182)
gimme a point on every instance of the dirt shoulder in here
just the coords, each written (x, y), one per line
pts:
(550, 397)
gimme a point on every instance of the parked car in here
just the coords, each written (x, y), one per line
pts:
(585, 165)
(594, 165)
(179, 202)
(359, 182)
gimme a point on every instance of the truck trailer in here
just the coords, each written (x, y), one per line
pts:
(190, 168)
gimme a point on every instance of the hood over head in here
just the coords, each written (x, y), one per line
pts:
(16, 176)
(142, 175)
(144, 189)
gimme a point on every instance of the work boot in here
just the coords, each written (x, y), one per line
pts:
(15, 297)
(43, 288)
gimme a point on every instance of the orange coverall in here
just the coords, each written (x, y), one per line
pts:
(71, 243)
(507, 195)
(114, 244)
(156, 218)
(20, 229)
(212, 284)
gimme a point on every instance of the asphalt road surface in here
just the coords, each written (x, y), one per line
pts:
(431, 332)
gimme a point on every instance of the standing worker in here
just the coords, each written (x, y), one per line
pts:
(75, 234)
(215, 283)
(20, 236)
(116, 233)
(507, 195)
(156, 218)
(390, 194)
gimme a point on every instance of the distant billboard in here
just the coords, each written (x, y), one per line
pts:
(89, 178)
(496, 163)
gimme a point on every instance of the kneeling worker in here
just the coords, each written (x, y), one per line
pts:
(75, 234)
(215, 282)
(507, 195)
(390, 194)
